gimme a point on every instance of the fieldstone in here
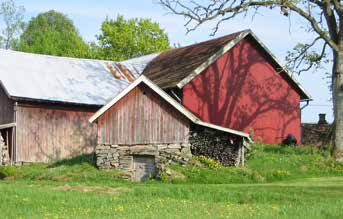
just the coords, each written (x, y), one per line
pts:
(121, 156)
(103, 147)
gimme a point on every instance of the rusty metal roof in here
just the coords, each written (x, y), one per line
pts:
(66, 80)
(172, 66)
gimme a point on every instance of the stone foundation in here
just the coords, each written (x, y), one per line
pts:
(121, 156)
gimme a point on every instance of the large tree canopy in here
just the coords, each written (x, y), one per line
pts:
(324, 19)
(122, 39)
(53, 33)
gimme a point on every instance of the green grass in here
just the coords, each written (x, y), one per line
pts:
(278, 182)
(267, 163)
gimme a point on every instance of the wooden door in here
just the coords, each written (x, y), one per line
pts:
(144, 167)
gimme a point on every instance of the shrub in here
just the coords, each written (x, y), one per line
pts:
(209, 162)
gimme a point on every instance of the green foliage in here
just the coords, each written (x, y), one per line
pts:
(209, 162)
(53, 33)
(122, 39)
(301, 58)
(12, 16)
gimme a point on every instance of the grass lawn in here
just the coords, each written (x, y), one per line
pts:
(277, 182)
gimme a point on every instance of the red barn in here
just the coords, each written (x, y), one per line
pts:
(233, 81)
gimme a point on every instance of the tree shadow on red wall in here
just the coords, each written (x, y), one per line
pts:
(244, 91)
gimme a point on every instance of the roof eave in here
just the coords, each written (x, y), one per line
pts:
(213, 58)
(44, 101)
(304, 94)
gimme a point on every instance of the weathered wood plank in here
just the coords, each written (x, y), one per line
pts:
(6, 108)
(142, 117)
(46, 134)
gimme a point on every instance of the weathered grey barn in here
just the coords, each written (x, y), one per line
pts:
(46, 101)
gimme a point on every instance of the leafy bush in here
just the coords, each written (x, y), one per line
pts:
(209, 162)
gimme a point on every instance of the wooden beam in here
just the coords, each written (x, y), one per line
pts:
(6, 126)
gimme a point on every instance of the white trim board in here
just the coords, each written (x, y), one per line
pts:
(170, 100)
(228, 47)
(6, 126)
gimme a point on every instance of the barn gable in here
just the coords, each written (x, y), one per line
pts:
(176, 68)
(172, 103)
(243, 91)
(142, 117)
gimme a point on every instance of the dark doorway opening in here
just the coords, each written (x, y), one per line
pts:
(144, 167)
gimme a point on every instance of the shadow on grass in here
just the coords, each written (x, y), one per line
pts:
(81, 159)
(2, 176)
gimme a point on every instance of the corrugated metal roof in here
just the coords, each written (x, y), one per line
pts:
(68, 80)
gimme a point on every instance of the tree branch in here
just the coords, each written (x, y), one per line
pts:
(213, 12)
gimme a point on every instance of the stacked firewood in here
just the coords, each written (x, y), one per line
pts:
(216, 145)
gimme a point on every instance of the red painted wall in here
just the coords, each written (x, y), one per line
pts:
(243, 91)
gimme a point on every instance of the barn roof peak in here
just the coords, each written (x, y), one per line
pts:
(177, 67)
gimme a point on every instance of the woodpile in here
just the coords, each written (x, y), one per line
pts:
(216, 145)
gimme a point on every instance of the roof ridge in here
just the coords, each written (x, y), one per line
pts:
(209, 40)
(75, 58)
(53, 56)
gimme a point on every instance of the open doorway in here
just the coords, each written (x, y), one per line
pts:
(7, 151)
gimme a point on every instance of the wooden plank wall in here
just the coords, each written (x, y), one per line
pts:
(6, 108)
(142, 117)
(47, 134)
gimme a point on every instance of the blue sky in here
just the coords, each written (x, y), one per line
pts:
(279, 33)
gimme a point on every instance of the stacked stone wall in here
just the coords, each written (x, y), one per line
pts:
(316, 134)
(121, 156)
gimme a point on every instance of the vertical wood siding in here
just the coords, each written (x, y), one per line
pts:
(45, 134)
(243, 90)
(6, 108)
(142, 117)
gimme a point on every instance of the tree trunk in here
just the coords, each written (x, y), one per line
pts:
(337, 93)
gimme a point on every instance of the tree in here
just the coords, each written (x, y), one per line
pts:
(122, 39)
(12, 16)
(53, 33)
(323, 18)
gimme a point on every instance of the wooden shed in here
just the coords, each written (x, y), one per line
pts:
(46, 101)
(143, 128)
